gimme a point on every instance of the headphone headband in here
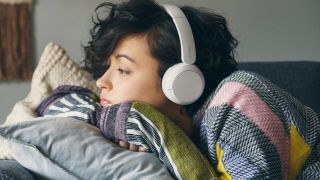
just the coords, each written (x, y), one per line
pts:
(183, 83)
(188, 49)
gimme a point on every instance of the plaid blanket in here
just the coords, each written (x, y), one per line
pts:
(251, 129)
(248, 129)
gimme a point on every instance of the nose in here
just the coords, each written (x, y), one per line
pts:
(104, 82)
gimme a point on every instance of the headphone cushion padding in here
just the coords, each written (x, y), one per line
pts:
(183, 83)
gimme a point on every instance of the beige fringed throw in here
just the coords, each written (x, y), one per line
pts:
(15, 60)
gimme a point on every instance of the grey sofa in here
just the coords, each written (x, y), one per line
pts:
(301, 79)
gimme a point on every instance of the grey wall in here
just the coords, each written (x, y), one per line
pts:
(267, 30)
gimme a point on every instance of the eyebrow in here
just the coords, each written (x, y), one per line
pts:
(127, 57)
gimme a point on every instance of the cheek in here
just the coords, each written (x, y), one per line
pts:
(156, 96)
(149, 91)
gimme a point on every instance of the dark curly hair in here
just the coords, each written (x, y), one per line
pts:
(214, 43)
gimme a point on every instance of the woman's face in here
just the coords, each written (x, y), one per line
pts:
(132, 75)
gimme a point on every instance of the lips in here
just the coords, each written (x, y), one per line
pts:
(104, 102)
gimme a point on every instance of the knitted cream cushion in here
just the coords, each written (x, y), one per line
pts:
(54, 68)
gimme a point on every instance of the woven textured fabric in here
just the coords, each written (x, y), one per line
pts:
(151, 129)
(59, 102)
(247, 127)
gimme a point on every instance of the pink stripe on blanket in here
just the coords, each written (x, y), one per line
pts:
(253, 107)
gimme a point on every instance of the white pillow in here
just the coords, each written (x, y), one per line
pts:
(72, 149)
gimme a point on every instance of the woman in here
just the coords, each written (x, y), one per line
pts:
(133, 47)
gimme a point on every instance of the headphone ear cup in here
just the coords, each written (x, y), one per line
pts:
(183, 83)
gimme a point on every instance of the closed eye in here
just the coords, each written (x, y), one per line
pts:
(124, 72)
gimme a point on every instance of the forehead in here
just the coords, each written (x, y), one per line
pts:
(135, 47)
(137, 43)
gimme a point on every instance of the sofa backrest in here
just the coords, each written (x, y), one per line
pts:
(300, 78)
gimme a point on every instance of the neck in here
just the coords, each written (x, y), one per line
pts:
(179, 116)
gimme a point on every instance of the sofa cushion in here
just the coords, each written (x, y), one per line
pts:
(301, 78)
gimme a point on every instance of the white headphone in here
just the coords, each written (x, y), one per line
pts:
(183, 83)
